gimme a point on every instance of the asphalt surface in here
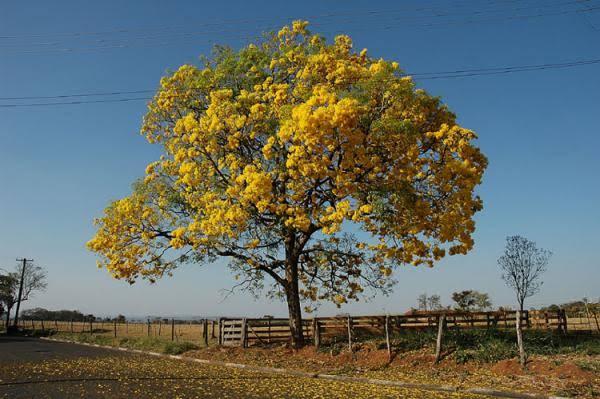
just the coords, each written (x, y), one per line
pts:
(25, 349)
(32, 368)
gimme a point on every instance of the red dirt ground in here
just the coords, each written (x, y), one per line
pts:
(559, 375)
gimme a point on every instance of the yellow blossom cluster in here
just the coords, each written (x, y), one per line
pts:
(125, 244)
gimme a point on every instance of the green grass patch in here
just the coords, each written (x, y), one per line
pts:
(176, 348)
(150, 344)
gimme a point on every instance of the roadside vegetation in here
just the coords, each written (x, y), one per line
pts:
(150, 344)
(492, 345)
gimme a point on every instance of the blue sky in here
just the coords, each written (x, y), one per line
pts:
(60, 165)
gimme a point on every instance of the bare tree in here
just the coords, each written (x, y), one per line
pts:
(30, 278)
(429, 302)
(422, 302)
(523, 264)
(434, 302)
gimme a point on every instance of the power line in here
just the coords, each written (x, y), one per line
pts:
(109, 93)
(236, 22)
(459, 73)
(590, 24)
(501, 70)
(187, 37)
(113, 100)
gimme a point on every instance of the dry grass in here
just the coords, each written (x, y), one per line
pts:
(182, 331)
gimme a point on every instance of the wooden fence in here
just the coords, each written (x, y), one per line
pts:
(263, 331)
(250, 332)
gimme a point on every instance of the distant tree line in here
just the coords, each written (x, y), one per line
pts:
(464, 301)
(582, 306)
(65, 315)
(58, 315)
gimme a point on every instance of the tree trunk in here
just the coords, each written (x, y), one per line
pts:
(522, 355)
(293, 302)
(521, 305)
(440, 334)
(8, 317)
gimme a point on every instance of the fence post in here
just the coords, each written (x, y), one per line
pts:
(172, 329)
(561, 326)
(564, 317)
(349, 322)
(205, 331)
(56, 324)
(115, 325)
(212, 329)
(596, 319)
(387, 337)
(91, 325)
(159, 327)
(220, 340)
(71, 326)
(42, 326)
(520, 339)
(316, 333)
(148, 327)
(244, 332)
(440, 334)
(587, 315)
(269, 330)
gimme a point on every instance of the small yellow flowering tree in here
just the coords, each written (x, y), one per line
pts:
(305, 162)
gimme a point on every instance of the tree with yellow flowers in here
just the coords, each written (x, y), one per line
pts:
(301, 161)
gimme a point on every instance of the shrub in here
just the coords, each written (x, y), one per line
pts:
(176, 348)
(412, 340)
(495, 350)
(463, 356)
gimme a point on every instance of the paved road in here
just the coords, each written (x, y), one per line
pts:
(32, 368)
(19, 349)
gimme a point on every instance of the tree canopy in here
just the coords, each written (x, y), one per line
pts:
(9, 285)
(300, 160)
(469, 300)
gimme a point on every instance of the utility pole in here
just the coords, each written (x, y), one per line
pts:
(24, 260)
